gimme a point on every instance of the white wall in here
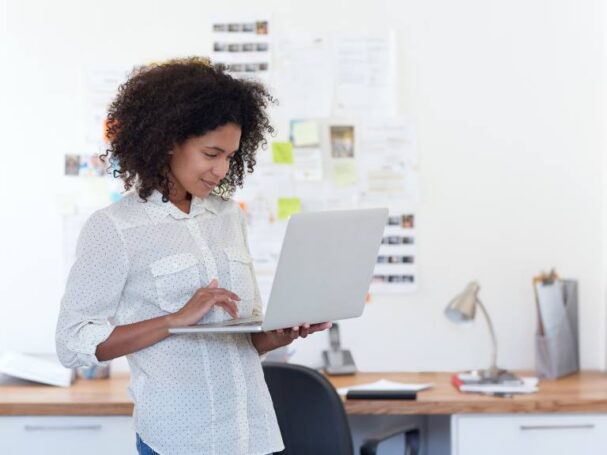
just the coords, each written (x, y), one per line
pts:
(508, 102)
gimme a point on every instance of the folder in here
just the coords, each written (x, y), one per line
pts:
(556, 341)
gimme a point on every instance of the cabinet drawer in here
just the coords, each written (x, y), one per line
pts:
(26, 435)
(554, 434)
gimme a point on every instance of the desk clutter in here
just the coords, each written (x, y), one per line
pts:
(505, 386)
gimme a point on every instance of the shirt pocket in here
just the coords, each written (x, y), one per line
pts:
(177, 278)
(242, 280)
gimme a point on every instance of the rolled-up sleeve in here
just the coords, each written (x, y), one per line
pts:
(92, 293)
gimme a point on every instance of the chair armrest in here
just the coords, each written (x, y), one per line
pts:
(412, 440)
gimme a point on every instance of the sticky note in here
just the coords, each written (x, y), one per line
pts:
(282, 153)
(344, 172)
(288, 206)
(304, 133)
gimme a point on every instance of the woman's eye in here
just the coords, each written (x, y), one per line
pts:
(210, 155)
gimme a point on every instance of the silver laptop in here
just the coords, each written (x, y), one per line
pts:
(324, 270)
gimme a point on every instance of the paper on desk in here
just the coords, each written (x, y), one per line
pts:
(34, 369)
(384, 384)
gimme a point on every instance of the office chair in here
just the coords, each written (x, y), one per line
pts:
(312, 418)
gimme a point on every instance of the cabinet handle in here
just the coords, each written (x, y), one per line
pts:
(582, 426)
(62, 427)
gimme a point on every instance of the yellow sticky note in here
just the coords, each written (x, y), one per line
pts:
(288, 206)
(282, 153)
(305, 133)
(344, 172)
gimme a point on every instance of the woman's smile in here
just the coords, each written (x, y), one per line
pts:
(207, 184)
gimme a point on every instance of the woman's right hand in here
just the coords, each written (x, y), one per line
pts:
(202, 302)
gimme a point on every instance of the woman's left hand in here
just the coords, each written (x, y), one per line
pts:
(268, 341)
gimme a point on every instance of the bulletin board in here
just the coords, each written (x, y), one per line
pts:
(340, 142)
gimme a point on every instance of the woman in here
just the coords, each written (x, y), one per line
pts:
(174, 252)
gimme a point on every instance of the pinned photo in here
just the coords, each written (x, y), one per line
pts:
(395, 259)
(400, 259)
(97, 166)
(72, 164)
(394, 220)
(342, 141)
(408, 221)
(400, 279)
(261, 27)
(236, 67)
(397, 240)
(91, 166)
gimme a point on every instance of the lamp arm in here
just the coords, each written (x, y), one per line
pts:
(493, 339)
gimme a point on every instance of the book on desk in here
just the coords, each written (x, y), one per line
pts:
(472, 383)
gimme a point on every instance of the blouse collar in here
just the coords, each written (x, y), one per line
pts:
(157, 209)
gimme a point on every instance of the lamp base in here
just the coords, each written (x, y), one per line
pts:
(496, 375)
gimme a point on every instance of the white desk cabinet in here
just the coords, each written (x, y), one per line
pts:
(532, 434)
(61, 435)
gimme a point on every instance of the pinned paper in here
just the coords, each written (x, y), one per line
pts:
(66, 203)
(288, 206)
(282, 153)
(97, 191)
(308, 164)
(304, 133)
(344, 172)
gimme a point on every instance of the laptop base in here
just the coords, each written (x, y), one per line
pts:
(241, 325)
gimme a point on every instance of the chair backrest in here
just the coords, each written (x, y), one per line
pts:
(310, 414)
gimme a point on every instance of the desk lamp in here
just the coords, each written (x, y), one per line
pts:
(463, 308)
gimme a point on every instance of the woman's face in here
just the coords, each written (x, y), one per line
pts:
(201, 162)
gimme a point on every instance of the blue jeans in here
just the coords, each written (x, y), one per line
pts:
(143, 448)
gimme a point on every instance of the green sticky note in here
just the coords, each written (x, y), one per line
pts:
(288, 206)
(282, 153)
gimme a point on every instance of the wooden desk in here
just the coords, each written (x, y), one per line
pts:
(585, 392)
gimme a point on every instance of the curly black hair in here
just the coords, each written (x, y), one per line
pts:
(163, 105)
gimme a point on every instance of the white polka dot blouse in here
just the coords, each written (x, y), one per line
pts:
(136, 260)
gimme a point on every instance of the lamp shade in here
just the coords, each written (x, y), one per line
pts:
(463, 306)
